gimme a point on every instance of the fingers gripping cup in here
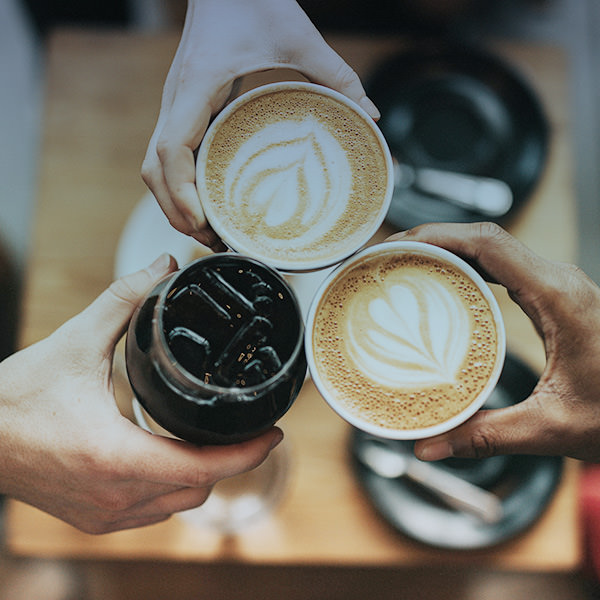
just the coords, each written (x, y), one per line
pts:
(294, 174)
(405, 340)
(215, 352)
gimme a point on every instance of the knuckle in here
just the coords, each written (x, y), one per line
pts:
(198, 477)
(567, 286)
(483, 445)
(580, 284)
(163, 147)
(110, 501)
(488, 230)
(346, 76)
(113, 501)
(122, 290)
(180, 223)
(148, 172)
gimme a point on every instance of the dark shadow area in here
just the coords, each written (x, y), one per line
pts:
(46, 14)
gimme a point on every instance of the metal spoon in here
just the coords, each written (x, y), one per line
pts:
(456, 492)
(485, 195)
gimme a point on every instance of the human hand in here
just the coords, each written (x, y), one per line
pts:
(562, 415)
(65, 447)
(223, 40)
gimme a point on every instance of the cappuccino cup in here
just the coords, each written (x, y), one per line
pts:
(295, 175)
(405, 340)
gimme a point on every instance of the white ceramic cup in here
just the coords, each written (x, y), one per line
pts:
(392, 333)
(303, 192)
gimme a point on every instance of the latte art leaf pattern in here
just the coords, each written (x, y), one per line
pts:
(296, 185)
(411, 332)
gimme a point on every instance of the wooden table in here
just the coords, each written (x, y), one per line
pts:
(102, 95)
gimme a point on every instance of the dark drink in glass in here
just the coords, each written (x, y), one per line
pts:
(215, 352)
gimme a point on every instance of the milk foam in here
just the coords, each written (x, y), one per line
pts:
(292, 177)
(414, 332)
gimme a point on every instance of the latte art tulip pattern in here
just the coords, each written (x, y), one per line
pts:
(414, 332)
(291, 179)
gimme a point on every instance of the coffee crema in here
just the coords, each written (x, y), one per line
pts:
(294, 176)
(404, 341)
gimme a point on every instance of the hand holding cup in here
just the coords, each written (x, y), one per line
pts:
(560, 417)
(221, 42)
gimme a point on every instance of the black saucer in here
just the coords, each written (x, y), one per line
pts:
(458, 108)
(525, 484)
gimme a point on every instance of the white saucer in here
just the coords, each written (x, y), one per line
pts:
(148, 234)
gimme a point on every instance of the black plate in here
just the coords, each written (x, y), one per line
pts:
(458, 108)
(525, 484)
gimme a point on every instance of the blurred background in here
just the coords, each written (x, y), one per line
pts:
(24, 28)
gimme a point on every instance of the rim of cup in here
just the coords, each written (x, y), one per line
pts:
(279, 262)
(421, 248)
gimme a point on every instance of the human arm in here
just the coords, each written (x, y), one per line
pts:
(222, 40)
(562, 415)
(65, 447)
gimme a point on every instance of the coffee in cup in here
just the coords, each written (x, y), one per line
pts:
(405, 340)
(294, 174)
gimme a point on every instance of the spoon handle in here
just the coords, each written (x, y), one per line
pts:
(490, 197)
(457, 492)
(485, 195)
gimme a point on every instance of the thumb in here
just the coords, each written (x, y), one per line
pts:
(518, 429)
(106, 319)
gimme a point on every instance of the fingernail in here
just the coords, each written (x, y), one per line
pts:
(161, 265)
(367, 105)
(399, 234)
(195, 224)
(434, 451)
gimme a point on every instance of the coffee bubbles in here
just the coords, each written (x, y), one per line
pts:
(294, 174)
(405, 340)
